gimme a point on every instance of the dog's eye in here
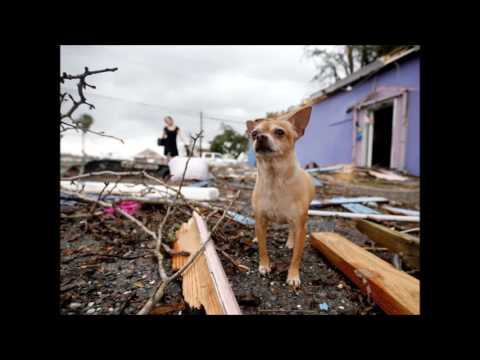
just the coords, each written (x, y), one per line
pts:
(254, 133)
(279, 132)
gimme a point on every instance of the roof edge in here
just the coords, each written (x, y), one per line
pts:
(371, 68)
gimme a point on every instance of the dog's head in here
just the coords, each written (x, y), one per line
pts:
(277, 136)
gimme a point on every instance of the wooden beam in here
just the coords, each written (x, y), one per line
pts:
(396, 292)
(204, 283)
(410, 230)
(407, 246)
(364, 216)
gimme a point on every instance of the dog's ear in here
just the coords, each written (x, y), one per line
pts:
(300, 120)
(250, 126)
(252, 123)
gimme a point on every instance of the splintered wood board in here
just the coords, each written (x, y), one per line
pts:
(204, 282)
(222, 285)
(396, 292)
(407, 246)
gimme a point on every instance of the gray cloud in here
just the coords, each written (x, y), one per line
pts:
(230, 82)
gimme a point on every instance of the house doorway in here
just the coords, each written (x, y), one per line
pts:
(380, 128)
(382, 136)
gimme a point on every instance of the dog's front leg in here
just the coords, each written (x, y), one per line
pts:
(261, 234)
(291, 236)
(293, 278)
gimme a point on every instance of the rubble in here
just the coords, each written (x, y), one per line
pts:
(112, 256)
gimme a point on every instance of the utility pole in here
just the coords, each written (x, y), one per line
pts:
(201, 130)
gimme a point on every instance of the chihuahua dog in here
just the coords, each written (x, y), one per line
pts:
(283, 190)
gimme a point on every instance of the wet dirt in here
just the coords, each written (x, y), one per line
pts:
(107, 266)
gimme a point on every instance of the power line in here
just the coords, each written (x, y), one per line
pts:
(182, 111)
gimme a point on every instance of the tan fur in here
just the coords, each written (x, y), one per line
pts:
(283, 190)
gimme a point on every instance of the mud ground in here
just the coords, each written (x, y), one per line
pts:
(106, 266)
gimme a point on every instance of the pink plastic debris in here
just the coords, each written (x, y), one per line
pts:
(129, 206)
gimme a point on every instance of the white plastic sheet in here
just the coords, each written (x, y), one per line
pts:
(197, 168)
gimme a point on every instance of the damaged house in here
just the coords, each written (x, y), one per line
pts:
(370, 118)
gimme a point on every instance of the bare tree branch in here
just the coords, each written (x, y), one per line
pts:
(81, 86)
(120, 211)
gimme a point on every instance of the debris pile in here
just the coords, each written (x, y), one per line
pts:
(109, 263)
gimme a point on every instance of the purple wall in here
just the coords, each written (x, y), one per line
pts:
(328, 137)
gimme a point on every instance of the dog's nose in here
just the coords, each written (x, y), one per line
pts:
(261, 137)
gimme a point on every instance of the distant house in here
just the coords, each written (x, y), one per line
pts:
(371, 117)
(149, 156)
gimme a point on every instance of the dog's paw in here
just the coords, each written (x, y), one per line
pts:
(264, 269)
(294, 281)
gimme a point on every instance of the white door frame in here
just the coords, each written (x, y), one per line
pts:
(362, 149)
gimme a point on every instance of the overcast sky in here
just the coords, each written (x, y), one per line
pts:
(234, 83)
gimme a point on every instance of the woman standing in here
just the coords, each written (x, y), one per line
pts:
(170, 132)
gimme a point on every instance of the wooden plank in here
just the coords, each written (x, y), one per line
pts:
(360, 209)
(222, 285)
(401, 211)
(364, 216)
(407, 246)
(346, 200)
(197, 285)
(202, 282)
(410, 230)
(395, 291)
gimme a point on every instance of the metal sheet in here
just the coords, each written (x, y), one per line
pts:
(360, 209)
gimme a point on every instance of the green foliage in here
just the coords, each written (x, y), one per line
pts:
(229, 142)
(85, 122)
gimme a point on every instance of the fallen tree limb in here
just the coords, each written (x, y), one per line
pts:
(81, 86)
(80, 216)
(66, 261)
(120, 211)
(396, 292)
(233, 261)
(364, 216)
